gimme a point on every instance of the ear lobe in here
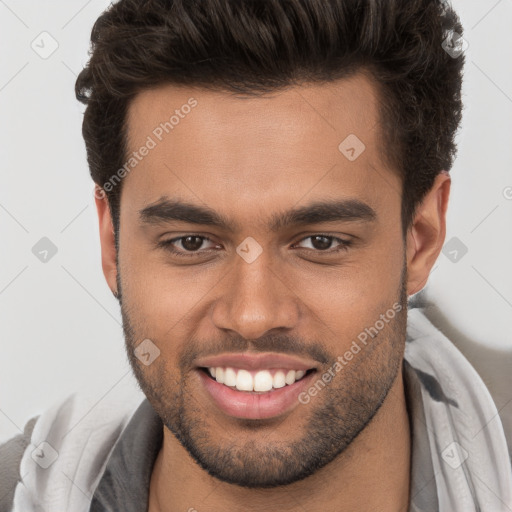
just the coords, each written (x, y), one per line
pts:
(425, 237)
(107, 239)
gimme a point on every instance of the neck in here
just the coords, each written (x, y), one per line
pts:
(373, 473)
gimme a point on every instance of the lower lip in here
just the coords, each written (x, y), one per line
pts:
(254, 406)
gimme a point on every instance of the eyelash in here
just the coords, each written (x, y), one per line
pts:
(168, 245)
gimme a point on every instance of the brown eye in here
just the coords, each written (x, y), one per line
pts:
(323, 243)
(192, 243)
(188, 245)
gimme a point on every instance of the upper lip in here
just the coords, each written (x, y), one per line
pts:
(252, 361)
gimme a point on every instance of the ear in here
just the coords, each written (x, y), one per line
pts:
(107, 239)
(425, 237)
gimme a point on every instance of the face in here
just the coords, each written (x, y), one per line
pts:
(249, 240)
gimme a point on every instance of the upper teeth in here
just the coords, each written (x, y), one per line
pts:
(262, 380)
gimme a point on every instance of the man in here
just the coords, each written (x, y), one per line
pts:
(271, 185)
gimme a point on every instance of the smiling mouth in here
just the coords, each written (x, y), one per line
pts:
(260, 381)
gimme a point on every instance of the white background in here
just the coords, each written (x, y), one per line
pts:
(60, 325)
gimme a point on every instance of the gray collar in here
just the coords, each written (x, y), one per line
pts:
(125, 482)
(423, 493)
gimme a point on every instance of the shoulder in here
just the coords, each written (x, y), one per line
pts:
(485, 367)
(11, 453)
(73, 437)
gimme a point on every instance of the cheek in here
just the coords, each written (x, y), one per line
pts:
(349, 298)
(160, 297)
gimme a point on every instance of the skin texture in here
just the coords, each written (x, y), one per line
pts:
(249, 159)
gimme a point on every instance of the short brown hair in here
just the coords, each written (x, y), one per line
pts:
(258, 46)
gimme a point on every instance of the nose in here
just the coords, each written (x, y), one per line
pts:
(255, 300)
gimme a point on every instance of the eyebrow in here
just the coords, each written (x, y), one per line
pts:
(345, 210)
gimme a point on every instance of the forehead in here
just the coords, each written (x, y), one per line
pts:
(229, 151)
